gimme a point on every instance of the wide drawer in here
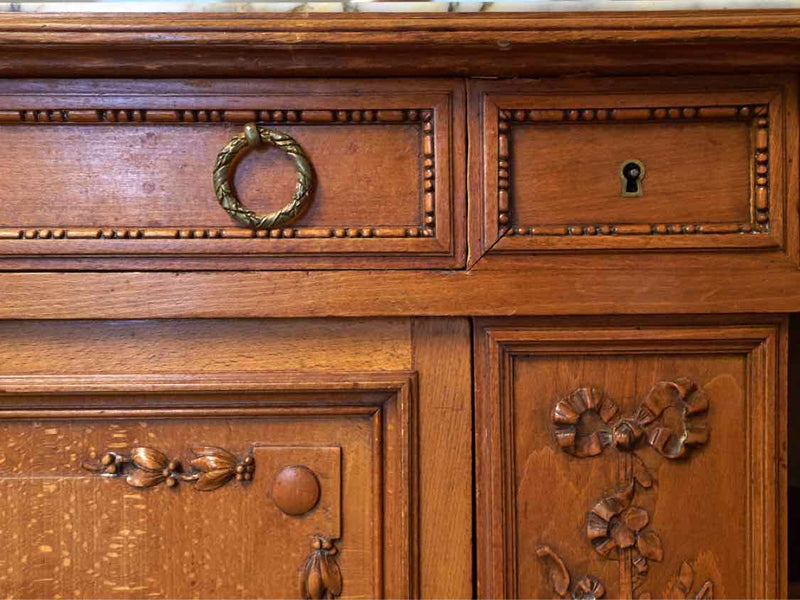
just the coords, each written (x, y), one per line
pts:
(609, 164)
(125, 170)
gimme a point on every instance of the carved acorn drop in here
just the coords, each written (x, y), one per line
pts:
(320, 576)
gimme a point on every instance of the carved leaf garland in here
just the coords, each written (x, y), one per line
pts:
(212, 467)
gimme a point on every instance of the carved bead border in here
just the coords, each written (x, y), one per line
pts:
(423, 116)
(756, 114)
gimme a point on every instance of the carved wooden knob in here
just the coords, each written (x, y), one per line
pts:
(295, 490)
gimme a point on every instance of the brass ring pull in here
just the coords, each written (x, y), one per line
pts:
(224, 168)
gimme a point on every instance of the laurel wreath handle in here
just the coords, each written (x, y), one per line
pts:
(252, 137)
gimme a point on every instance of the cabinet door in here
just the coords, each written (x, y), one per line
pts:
(632, 461)
(233, 459)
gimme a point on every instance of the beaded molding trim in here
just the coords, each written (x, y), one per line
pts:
(757, 115)
(424, 117)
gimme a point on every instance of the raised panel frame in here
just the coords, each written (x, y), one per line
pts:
(388, 400)
(761, 342)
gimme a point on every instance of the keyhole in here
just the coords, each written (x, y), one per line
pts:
(632, 173)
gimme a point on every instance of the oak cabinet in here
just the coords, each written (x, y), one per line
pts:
(441, 306)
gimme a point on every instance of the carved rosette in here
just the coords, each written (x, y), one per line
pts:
(212, 467)
(615, 524)
(320, 576)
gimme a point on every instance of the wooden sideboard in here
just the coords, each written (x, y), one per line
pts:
(399, 305)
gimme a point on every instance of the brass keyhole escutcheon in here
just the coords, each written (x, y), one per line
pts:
(632, 172)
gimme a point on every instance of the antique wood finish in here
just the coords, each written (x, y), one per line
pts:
(550, 158)
(640, 432)
(529, 323)
(347, 410)
(387, 192)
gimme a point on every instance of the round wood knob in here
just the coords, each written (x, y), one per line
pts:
(295, 490)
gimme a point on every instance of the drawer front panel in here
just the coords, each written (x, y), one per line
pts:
(665, 168)
(124, 169)
(630, 461)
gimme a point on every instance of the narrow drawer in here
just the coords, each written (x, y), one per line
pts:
(125, 174)
(610, 164)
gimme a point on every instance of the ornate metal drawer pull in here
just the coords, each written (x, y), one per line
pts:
(254, 135)
(212, 468)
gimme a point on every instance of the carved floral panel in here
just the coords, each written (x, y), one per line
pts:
(624, 463)
(628, 458)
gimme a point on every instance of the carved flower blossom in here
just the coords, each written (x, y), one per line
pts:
(614, 524)
(588, 588)
(682, 397)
